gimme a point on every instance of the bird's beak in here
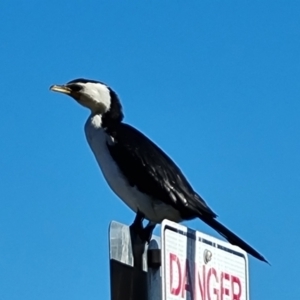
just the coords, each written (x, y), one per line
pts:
(61, 89)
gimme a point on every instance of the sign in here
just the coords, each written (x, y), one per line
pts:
(196, 266)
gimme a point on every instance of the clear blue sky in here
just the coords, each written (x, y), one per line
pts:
(214, 83)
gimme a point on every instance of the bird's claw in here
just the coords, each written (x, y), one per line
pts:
(145, 234)
(137, 227)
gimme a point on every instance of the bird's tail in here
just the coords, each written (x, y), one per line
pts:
(231, 237)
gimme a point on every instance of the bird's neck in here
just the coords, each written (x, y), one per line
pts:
(95, 120)
(106, 121)
(108, 118)
(113, 116)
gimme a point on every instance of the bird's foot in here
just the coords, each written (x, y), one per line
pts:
(146, 233)
(138, 229)
(137, 225)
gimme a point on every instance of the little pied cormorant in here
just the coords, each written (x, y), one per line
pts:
(136, 169)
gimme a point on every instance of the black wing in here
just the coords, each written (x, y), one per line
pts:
(149, 169)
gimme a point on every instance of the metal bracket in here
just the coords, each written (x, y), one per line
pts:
(154, 258)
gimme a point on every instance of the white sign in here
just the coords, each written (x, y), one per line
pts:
(196, 266)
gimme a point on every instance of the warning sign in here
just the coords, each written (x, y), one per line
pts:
(199, 267)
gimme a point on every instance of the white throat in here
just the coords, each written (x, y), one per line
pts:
(95, 121)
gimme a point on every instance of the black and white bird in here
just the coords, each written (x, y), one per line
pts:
(136, 169)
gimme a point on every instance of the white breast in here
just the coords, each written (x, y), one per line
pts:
(153, 209)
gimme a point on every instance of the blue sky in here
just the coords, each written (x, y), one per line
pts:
(214, 83)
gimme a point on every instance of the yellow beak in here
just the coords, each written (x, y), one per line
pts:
(61, 89)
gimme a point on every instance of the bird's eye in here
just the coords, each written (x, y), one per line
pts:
(75, 87)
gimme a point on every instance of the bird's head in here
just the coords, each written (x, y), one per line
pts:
(95, 95)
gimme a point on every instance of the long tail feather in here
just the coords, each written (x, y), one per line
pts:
(231, 237)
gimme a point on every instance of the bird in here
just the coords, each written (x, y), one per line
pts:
(138, 171)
